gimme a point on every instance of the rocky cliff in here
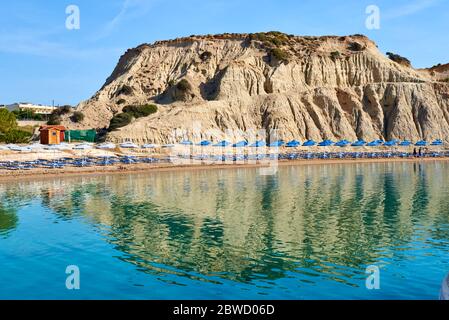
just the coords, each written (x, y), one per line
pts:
(214, 87)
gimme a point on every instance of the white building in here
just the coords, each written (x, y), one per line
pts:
(36, 108)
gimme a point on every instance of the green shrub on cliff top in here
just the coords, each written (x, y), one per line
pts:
(270, 39)
(399, 59)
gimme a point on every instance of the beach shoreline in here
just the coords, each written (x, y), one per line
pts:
(117, 169)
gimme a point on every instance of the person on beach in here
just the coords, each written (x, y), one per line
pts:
(414, 152)
(419, 152)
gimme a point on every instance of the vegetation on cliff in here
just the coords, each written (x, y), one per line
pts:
(129, 113)
(56, 116)
(275, 43)
(335, 55)
(77, 116)
(181, 91)
(399, 59)
(184, 85)
(140, 111)
(120, 120)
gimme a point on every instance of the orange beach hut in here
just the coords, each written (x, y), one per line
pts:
(52, 134)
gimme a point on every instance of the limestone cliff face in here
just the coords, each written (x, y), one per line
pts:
(304, 87)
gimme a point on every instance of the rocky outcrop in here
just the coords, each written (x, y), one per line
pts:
(234, 85)
(439, 72)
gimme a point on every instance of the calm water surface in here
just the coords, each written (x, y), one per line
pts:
(306, 232)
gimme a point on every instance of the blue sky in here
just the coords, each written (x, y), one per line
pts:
(41, 61)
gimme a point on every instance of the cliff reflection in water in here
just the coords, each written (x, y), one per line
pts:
(8, 220)
(320, 220)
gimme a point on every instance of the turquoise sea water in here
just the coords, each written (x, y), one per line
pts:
(307, 232)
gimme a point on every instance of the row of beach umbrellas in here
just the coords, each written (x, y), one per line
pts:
(224, 143)
(311, 143)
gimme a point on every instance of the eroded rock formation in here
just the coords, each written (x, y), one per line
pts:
(305, 87)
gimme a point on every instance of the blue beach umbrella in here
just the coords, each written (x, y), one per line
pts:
(421, 143)
(223, 143)
(309, 143)
(343, 143)
(278, 143)
(375, 143)
(186, 143)
(240, 144)
(205, 143)
(325, 143)
(258, 144)
(437, 142)
(358, 143)
(405, 143)
(293, 144)
(390, 143)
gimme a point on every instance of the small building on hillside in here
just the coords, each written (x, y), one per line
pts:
(52, 134)
(36, 108)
